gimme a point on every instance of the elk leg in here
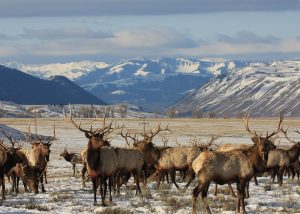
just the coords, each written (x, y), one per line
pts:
(83, 171)
(118, 177)
(173, 174)
(191, 178)
(94, 181)
(138, 190)
(255, 180)
(17, 184)
(247, 189)
(196, 192)
(160, 176)
(280, 177)
(204, 196)
(42, 183)
(216, 190)
(25, 185)
(45, 174)
(13, 177)
(3, 187)
(73, 169)
(231, 190)
(110, 183)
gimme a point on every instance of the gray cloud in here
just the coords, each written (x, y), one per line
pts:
(246, 37)
(5, 37)
(64, 34)
(22, 8)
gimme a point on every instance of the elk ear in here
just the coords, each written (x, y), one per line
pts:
(88, 136)
(272, 146)
(255, 139)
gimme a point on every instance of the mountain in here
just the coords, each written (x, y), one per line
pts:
(70, 70)
(263, 88)
(22, 88)
(151, 83)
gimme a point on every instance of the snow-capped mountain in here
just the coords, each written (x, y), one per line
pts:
(151, 83)
(263, 88)
(70, 70)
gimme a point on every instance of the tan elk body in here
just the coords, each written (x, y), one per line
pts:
(281, 159)
(232, 166)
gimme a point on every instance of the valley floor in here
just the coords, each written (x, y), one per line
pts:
(66, 195)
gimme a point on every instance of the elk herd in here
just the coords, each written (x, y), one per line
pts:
(110, 167)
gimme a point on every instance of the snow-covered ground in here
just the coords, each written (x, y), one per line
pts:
(66, 195)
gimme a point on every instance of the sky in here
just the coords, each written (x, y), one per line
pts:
(51, 31)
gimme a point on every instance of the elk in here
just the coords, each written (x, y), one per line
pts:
(104, 162)
(9, 157)
(39, 154)
(281, 159)
(232, 166)
(73, 158)
(180, 159)
(25, 171)
(229, 147)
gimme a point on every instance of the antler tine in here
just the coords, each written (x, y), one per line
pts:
(176, 140)
(285, 134)
(279, 126)
(165, 140)
(247, 124)
(159, 129)
(125, 137)
(297, 131)
(78, 126)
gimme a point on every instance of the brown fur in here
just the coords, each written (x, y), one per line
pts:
(280, 160)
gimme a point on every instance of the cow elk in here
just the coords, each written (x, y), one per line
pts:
(73, 158)
(233, 166)
(281, 159)
(39, 154)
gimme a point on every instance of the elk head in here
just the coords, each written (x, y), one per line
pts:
(296, 144)
(147, 138)
(97, 138)
(12, 152)
(127, 136)
(42, 143)
(264, 144)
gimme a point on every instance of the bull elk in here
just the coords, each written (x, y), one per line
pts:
(280, 159)
(9, 157)
(237, 166)
(104, 162)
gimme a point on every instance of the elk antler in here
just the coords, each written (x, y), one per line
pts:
(285, 134)
(279, 126)
(78, 126)
(165, 140)
(247, 124)
(10, 138)
(159, 129)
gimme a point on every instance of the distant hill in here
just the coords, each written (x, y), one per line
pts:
(22, 88)
(264, 88)
(151, 83)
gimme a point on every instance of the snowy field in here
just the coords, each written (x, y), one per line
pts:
(66, 195)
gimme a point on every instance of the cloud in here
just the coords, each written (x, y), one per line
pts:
(21, 8)
(65, 34)
(151, 37)
(246, 37)
(5, 37)
(141, 42)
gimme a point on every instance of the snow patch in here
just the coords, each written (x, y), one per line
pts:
(118, 92)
